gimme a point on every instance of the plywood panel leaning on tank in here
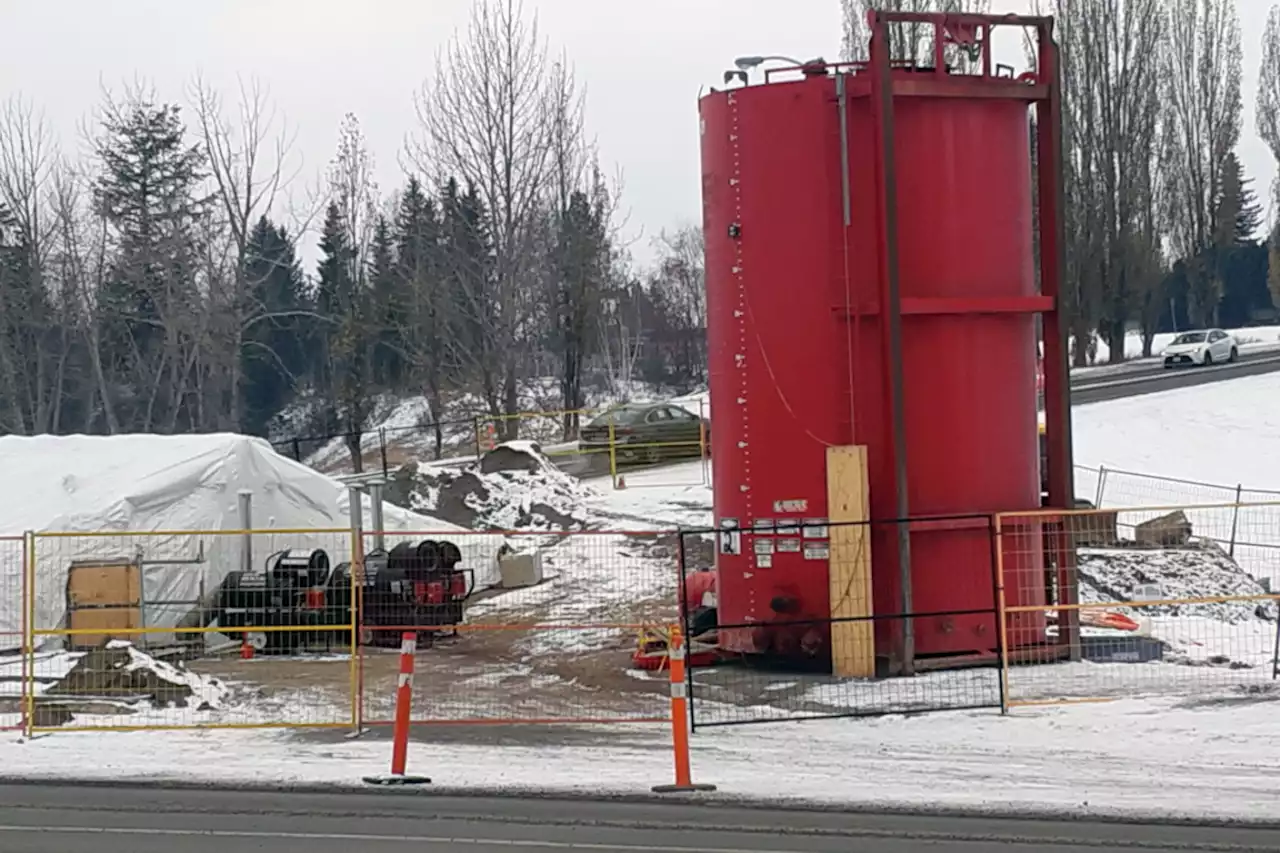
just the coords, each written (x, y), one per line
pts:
(852, 634)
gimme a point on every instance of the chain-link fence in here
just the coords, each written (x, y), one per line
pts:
(1110, 603)
(13, 630)
(300, 628)
(550, 633)
(846, 657)
(182, 629)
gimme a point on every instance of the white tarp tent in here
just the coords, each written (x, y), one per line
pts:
(135, 484)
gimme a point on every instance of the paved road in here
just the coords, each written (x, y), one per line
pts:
(1144, 377)
(48, 819)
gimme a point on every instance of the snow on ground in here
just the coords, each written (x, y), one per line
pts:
(1162, 449)
(1153, 757)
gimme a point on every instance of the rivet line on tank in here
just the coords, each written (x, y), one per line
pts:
(740, 360)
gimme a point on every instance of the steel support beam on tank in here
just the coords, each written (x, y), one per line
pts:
(1043, 90)
(1057, 385)
(890, 319)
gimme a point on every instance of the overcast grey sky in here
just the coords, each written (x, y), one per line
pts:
(643, 64)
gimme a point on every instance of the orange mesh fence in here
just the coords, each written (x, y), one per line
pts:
(191, 629)
(1154, 601)
(517, 627)
(13, 664)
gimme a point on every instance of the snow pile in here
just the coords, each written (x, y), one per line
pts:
(513, 487)
(1119, 574)
(116, 679)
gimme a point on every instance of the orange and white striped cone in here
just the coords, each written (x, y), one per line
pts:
(680, 720)
(400, 735)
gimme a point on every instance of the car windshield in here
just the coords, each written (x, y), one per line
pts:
(1189, 338)
(619, 417)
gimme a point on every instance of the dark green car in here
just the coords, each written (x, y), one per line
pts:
(648, 433)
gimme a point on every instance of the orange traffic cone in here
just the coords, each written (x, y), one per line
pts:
(246, 650)
(622, 482)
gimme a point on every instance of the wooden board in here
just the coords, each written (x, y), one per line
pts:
(103, 596)
(853, 652)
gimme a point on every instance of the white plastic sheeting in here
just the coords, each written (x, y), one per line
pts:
(185, 486)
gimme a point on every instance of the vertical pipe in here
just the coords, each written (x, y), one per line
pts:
(355, 513)
(1057, 388)
(1235, 520)
(246, 525)
(28, 634)
(375, 516)
(891, 319)
(1002, 618)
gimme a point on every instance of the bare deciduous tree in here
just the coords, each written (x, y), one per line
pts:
(1201, 67)
(249, 166)
(483, 119)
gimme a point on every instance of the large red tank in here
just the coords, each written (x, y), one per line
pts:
(801, 264)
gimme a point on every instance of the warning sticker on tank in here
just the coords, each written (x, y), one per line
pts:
(791, 546)
(792, 505)
(730, 537)
(764, 561)
(763, 546)
(788, 527)
(763, 526)
(815, 528)
(816, 551)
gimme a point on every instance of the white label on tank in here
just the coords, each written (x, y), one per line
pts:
(791, 505)
(816, 551)
(791, 546)
(815, 528)
(763, 526)
(763, 546)
(764, 561)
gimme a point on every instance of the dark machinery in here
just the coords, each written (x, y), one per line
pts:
(300, 599)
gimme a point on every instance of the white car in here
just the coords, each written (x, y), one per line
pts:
(1201, 347)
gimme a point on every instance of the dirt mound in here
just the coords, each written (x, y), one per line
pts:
(1197, 571)
(513, 487)
(121, 673)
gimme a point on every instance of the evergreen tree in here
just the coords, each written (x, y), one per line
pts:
(343, 309)
(388, 308)
(1249, 218)
(148, 193)
(275, 348)
(422, 308)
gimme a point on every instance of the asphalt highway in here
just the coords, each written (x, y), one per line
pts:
(69, 819)
(1145, 377)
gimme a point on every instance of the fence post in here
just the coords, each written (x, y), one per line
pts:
(404, 704)
(613, 456)
(1235, 518)
(28, 693)
(1102, 485)
(475, 426)
(679, 720)
(297, 451)
(1002, 628)
(382, 448)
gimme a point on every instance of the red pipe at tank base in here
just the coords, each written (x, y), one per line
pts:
(872, 279)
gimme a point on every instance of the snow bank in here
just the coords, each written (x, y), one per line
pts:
(1116, 574)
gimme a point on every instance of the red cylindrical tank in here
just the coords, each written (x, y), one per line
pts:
(797, 362)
